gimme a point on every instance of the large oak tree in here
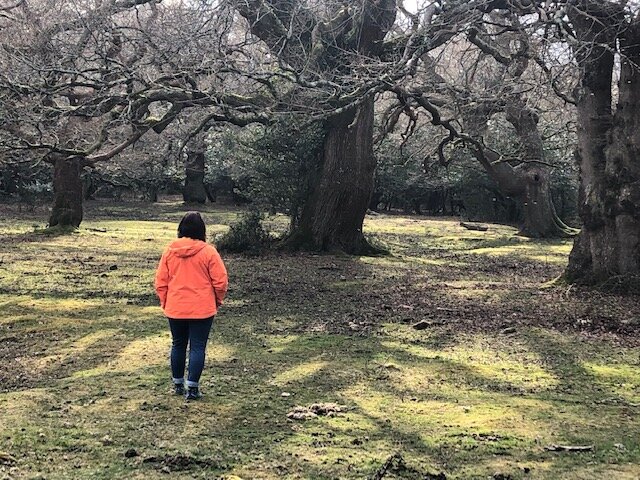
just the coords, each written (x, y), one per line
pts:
(329, 47)
(608, 247)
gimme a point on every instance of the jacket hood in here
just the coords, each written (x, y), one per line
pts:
(186, 247)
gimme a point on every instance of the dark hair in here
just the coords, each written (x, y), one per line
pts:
(192, 226)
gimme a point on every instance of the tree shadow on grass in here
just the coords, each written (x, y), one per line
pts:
(242, 426)
(562, 356)
(242, 422)
(41, 344)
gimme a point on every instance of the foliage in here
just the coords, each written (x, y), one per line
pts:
(285, 163)
(245, 235)
(410, 177)
(272, 166)
(560, 152)
(227, 153)
(28, 180)
(151, 166)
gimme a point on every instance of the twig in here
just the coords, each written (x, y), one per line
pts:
(474, 226)
(395, 459)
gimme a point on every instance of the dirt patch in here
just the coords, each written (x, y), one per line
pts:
(315, 410)
(179, 462)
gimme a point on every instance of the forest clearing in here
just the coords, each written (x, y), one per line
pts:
(455, 352)
(414, 226)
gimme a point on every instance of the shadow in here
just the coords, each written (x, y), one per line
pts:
(40, 346)
(242, 421)
(319, 328)
(580, 385)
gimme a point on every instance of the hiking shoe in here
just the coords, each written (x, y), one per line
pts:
(179, 388)
(193, 393)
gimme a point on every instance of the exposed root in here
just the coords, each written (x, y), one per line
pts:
(302, 241)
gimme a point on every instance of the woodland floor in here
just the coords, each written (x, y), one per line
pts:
(506, 367)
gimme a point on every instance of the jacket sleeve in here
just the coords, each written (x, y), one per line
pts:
(218, 275)
(162, 280)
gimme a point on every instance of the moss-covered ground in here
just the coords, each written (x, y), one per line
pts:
(505, 367)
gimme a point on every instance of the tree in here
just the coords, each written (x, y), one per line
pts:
(483, 73)
(340, 56)
(326, 47)
(529, 180)
(194, 189)
(86, 84)
(62, 94)
(604, 42)
(603, 33)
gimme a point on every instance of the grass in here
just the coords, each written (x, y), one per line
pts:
(505, 368)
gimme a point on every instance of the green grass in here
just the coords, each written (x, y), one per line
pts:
(505, 369)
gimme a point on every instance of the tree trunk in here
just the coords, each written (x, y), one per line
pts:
(333, 215)
(533, 192)
(527, 183)
(194, 189)
(89, 186)
(67, 188)
(150, 194)
(8, 182)
(374, 203)
(212, 193)
(540, 219)
(608, 248)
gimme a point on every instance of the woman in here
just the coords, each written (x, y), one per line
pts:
(191, 282)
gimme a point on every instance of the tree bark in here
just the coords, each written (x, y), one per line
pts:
(67, 187)
(194, 189)
(608, 247)
(540, 219)
(332, 217)
(528, 183)
(89, 186)
(374, 202)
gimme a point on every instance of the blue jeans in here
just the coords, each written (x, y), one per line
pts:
(196, 334)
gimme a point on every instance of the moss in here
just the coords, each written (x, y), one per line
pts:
(84, 348)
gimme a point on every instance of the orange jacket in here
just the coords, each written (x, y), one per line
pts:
(191, 280)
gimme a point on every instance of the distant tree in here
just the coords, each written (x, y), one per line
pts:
(526, 177)
(81, 85)
(194, 190)
(488, 70)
